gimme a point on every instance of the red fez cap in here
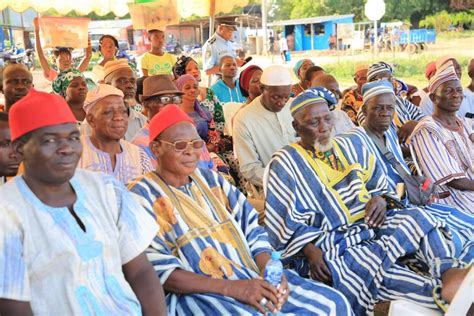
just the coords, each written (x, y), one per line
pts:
(167, 117)
(36, 110)
(430, 70)
(246, 75)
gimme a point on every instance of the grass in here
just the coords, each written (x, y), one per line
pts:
(454, 34)
(411, 70)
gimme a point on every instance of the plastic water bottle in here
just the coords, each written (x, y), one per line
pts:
(273, 272)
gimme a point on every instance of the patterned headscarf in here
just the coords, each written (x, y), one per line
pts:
(63, 80)
(197, 107)
(374, 88)
(246, 75)
(179, 68)
(378, 68)
(444, 74)
(311, 96)
(299, 63)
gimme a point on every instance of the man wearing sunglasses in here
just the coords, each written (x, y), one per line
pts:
(217, 235)
(158, 92)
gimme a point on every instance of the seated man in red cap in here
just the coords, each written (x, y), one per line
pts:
(105, 150)
(71, 241)
(210, 251)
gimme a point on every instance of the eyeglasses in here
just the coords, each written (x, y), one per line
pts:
(165, 99)
(181, 145)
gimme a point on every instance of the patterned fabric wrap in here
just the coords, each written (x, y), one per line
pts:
(63, 80)
(378, 68)
(443, 74)
(311, 96)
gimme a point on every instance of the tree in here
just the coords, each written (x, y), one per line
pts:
(413, 10)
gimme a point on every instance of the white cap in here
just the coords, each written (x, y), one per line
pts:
(98, 93)
(276, 75)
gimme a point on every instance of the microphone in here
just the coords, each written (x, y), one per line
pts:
(246, 61)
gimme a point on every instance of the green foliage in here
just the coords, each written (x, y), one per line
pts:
(442, 20)
(410, 70)
(402, 10)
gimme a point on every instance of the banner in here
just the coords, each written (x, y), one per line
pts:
(64, 32)
(154, 15)
(345, 31)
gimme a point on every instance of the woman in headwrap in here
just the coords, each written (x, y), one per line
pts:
(72, 86)
(201, 117)
(300, 70)
(219, 145)
(190, 105)
(187, 66)
(249, 82)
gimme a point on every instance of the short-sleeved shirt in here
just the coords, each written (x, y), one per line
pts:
(214, 49)
(158, 65)
(283, 42)
(47, 259)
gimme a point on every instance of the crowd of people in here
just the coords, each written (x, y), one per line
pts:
(127, 195)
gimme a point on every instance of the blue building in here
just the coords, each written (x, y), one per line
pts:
(312, 33)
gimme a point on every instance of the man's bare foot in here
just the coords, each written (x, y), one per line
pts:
(452, 280)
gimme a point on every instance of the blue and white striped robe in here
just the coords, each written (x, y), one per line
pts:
(461, 224)
(301, 209)
(405, 111)
(179, 247)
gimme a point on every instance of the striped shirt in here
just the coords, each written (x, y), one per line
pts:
(446, 155)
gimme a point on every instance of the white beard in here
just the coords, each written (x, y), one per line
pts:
(318, 147)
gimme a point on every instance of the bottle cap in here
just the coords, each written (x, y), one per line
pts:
(276, 255)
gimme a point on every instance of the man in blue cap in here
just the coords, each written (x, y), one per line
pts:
(326, 211)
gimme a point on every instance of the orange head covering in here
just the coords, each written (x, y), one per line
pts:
(36, 110)
(430, 70)
(167, 117)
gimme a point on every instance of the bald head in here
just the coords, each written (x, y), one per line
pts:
(327, 81)
(17, 81)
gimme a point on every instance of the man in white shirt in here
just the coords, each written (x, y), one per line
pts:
(283, 43)
(265, 125)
